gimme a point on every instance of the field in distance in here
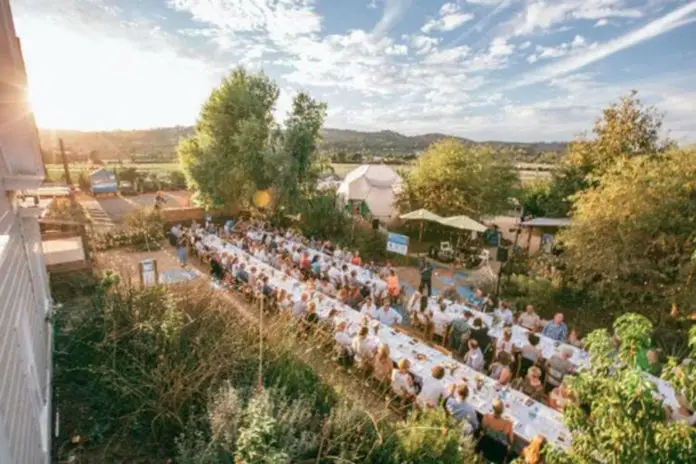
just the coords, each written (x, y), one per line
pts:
(528, 171)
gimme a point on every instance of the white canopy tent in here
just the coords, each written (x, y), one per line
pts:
(373, 184)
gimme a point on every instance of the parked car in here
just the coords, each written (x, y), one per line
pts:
(126, 188)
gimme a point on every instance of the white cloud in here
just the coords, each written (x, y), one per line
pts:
(448, 55)
(397, 50)
(541, 15)
(450, 19)
(602, 23)
(423, 43)
(392, 14)
(676, 18)
(525, 45)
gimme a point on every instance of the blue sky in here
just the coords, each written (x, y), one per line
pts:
(523, 70)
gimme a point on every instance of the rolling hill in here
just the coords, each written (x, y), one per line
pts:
(160, 144)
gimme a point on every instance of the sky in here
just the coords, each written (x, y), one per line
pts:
(517, 70)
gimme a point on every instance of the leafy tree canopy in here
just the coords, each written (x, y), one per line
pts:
(451, 179)
(617, 415)
(633, 234)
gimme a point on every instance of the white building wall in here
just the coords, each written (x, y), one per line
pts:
(25, 333)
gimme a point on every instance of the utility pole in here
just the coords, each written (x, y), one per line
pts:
(65, 163)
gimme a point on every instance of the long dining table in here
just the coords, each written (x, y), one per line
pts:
(529, 417)
(548, 346)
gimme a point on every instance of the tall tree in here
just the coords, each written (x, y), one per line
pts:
(451, 179)
(231, 154)
(633, 234)
(625, 130)
(301, 137)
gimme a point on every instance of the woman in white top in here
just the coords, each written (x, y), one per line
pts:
(505, 344)
(474, 357)
(363, 346)
(368, 308)
(432, 390)
(413, 303)
(402, 381)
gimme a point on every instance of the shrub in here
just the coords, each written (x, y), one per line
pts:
(143, 230)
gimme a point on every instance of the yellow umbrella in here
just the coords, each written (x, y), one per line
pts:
(463, 222)
(421, 215)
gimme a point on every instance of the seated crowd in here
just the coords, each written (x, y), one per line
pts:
(381, 300)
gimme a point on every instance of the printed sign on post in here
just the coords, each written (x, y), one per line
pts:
(397, 243)
(148, 272)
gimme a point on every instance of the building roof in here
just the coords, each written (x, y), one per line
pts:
(376, 175)
(547, 222)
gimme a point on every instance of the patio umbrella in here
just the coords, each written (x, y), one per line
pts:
(421, 215)
(463, 222)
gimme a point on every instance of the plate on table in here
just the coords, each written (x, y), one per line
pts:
(421, 357)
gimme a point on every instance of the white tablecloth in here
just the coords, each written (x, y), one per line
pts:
(529, 417)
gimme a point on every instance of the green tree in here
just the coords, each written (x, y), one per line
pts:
(633, 235)
(231, 154)
(301, 137)
(451, 179)
(617, 416)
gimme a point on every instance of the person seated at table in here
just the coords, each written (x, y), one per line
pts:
(316, 265)
(357, 260)
(388, 315)
(354, 297)
(460, 333)
(503, 313)
(474, 357)
(342, 337)
(300, 306)
(402, 381)
(432, 390)
(442, 321)
(310, 318)
(531, 385)
(497, 431)
(451, 294)
(479, 332)
(363, 348)
(505, 344)
(413, 303)
(560, 397)
(335, 276)
(424, 319)
(476, 299)
(530, 354)
(393, 287)
(461, 410)
(327, 288)
(558, 366)
(368, 308)
(684, 411)
(574, 339)
(533, 453)
(382, 365)
(529, 319)
(500, 369)
(342, 295)
(266, 288)
(556, 329)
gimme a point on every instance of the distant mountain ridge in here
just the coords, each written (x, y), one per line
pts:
(161, 143)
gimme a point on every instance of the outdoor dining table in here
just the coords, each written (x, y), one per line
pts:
(529, 417)
(548, 346)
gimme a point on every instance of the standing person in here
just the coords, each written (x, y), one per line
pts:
(182, 248)
(426, 275)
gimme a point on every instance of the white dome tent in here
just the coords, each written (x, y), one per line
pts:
(373, 184)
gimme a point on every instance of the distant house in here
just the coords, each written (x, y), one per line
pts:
(540, 233)
(102, 181)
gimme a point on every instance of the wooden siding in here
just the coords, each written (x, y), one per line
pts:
(25, 356)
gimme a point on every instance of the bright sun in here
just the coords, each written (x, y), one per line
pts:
(92, 82)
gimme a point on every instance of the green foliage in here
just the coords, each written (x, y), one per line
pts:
(430, 438)
(682, 376)
(143, 230)
(136, 364)
(177, 180)
(451, 179)
(626, 420)
(632, 235)
(230, 155)
(300, 138)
